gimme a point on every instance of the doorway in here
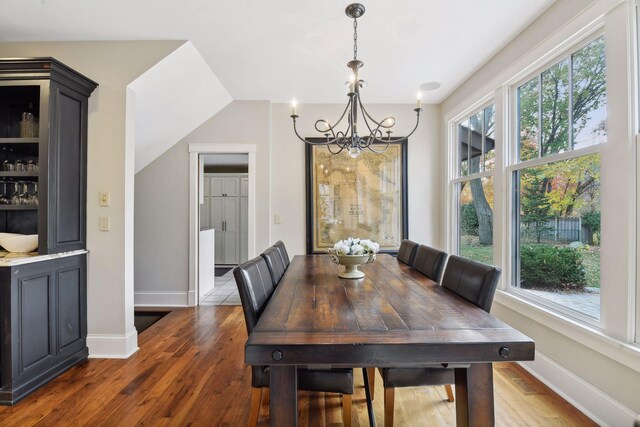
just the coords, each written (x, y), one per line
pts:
(223, 242)
(222, 219)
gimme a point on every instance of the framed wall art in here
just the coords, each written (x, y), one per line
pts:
(363, 197)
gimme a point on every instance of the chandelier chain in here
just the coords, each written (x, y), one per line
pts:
(355, 39)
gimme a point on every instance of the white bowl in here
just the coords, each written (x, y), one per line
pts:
(19, 242)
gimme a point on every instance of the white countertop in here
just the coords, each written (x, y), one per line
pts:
(9, 259)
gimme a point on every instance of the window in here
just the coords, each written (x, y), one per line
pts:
(561, 120)
(474, 185)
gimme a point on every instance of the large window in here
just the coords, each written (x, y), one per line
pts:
(474, 185)
(561, 120)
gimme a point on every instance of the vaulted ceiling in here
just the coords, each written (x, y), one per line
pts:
(279, 49)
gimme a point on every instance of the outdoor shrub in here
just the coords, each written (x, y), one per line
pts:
(551, 267)
(592, 221)
(469, 219)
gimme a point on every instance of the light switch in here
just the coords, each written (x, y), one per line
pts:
(105, 198)
(276, 219)
(105, 223)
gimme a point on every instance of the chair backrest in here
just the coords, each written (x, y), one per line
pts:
(255, 287)
(429, 262)
(471, 280)
(407, 251)
(274, 263)
(283, 252)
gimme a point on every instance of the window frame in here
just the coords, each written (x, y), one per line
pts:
(511, 251)
(455, 178)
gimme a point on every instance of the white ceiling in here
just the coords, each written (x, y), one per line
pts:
(281, 49)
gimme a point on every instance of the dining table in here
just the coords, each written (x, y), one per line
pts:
(393, 317)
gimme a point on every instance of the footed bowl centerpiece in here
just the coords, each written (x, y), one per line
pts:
(352, 253)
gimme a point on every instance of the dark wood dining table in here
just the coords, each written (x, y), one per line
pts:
(393, 317)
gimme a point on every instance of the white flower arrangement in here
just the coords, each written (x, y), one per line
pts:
(354, 246)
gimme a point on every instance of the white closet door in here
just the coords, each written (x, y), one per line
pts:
(231, 229)
(231, 186)
(244, 187)
(217, 218)
(216, 186)
(206, 184)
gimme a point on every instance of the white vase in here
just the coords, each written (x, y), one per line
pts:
(351, 264)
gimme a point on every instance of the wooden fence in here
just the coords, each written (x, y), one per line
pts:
(564, 230)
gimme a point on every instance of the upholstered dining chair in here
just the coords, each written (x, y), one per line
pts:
(407, 251)
(275, 264)
(283, 252)
(429, 261)
(255, 286)
(474, 282)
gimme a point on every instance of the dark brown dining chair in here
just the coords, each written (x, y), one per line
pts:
(283, 252)
(474, 282)
(429, 261)
(407, 251)
(255, 286)
(274, 263)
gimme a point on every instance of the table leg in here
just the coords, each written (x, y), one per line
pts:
(474, 395)
(283, 404)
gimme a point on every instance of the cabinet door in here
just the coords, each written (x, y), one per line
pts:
(244, 229)
(71, 303)
(63, 199)
(216, 221)
(244, 187)
(231, 187)
(206, 186)
(216, 186)
(232, 229)
(36, 320)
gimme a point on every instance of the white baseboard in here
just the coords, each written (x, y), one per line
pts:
(112, 346)
(593, 402)
(191, 298)
(161, 299)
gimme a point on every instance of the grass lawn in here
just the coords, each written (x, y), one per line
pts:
(470, 248)
(591, 263)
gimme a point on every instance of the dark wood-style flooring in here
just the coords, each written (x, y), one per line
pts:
(190, 371)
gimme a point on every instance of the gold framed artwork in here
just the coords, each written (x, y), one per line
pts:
(363, 197)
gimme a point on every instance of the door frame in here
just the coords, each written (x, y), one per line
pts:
(195, 150)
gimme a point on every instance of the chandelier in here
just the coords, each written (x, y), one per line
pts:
(350, 139)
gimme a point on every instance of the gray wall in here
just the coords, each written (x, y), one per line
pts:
(162, 202)
(161, 192)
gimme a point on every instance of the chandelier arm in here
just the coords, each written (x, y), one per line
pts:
(342, 147)
(295, 130)
(366, 114)
(417, 110)
(388, 142)
(332, 127)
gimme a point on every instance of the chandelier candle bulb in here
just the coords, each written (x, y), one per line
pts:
(293, 108)
(419, 100)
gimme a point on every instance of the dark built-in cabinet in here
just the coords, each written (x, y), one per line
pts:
(43, 146)
(44, 323)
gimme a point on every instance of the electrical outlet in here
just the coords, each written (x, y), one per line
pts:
(105, 198)
(105, 223)
(276, 219)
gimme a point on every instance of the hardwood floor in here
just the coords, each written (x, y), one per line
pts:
(190, 371)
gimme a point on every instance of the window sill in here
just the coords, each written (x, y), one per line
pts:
(627, 354)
